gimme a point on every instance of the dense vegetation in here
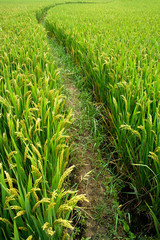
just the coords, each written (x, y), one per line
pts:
(117, 46)
(34, 147)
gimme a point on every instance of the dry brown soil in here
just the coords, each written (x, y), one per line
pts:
(85, 156)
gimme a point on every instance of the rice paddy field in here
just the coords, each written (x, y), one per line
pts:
(34, 147)
(117, 46)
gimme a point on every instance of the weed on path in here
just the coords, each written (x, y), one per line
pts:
(97, 220)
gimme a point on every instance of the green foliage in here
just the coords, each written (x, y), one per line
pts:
(34, 147)
(117, 47)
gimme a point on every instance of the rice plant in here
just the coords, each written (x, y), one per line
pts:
(34, 146)
(117, 47)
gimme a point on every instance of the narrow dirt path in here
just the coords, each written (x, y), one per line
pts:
(91, 175)
(86, 155)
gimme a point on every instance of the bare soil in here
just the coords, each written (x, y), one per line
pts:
(88, 175)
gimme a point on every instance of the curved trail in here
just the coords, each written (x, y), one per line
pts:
(44, 11)
(89, 175)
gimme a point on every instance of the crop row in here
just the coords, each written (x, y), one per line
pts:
(34, 146)
(117, 47)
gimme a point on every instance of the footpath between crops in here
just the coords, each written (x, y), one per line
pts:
(91, 176)
(99, 218)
